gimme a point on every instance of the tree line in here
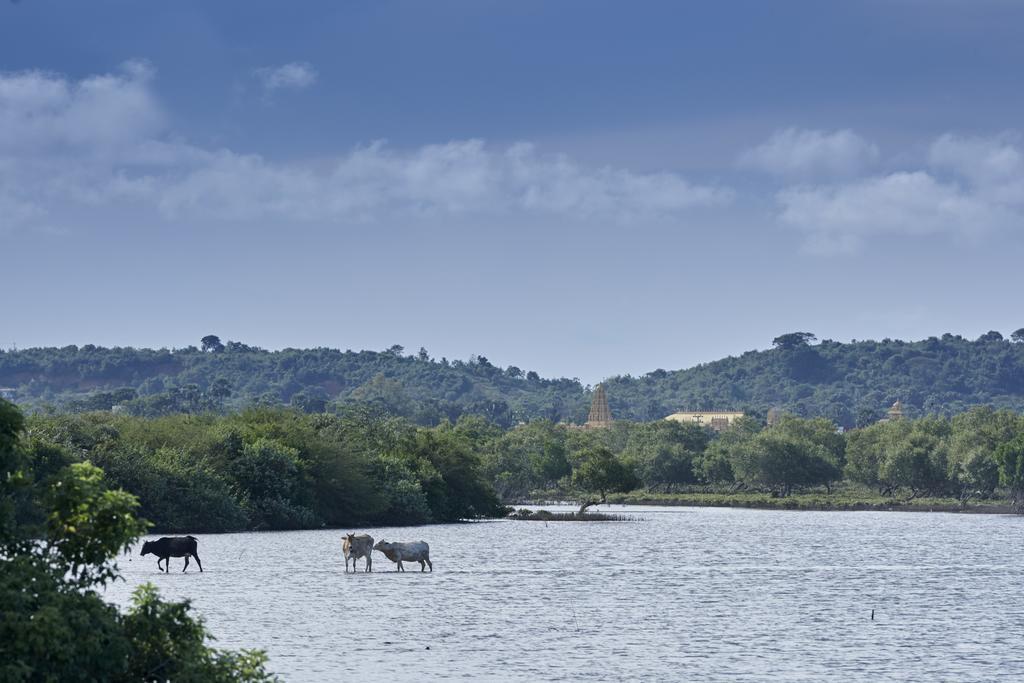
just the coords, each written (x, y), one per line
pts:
(849, 383)
(281, 468)
(277, 468)
(975, 455)
(978, 454)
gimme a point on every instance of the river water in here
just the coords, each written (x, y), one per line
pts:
(675, 594)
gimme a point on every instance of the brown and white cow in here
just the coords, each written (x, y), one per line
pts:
(417, 551)
(355, 547)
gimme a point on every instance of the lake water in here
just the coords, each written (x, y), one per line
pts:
(679, 594)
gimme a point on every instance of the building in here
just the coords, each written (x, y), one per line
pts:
(894, 414)
(716, 419)
(600, 414)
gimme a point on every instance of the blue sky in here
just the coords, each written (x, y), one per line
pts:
(579, 188)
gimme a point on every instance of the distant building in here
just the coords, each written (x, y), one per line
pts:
(8, 393)
(600, 414)
(775, 416)
(894, 414)
(716, 419)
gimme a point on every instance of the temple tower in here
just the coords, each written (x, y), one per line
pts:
(600, 415)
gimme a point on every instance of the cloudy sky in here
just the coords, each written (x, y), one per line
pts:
(579, 188)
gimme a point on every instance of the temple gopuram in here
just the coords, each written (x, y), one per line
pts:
(894, 414)
(600, 414)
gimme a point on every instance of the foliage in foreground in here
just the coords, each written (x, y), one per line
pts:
(61, 528)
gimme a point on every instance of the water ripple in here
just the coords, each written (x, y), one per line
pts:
(697, 593)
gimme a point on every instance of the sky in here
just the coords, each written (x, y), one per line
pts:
(580, 188)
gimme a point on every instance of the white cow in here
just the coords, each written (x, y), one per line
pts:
(417, 551)
(355, 547)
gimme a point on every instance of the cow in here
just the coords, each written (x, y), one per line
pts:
(168, 547)
(416, 551)
(355, 547)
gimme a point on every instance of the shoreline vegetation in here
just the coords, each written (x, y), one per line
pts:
(795, 502)
(284, 469)
(527, 515)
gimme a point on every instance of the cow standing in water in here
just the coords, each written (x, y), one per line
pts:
(417, 551)
(355, 547)
(167, 547)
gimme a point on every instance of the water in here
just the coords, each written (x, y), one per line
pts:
(680, 594)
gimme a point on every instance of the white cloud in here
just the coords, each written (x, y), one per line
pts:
(102, 142)
(458, 177)
(294, 75)
(981, 159)
(968, 187)
(840, 217)
(994, 167)
(796, 152)
(100, 114)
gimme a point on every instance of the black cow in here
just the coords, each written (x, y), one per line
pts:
(166, 548)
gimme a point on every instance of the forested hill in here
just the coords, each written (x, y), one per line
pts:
(850, 383)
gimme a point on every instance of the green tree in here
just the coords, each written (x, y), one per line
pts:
(917, 463)
(781, 462)
(793, 340)
(715, 464)
(866, 449)
(268, 475)
(1010, 459)
(975, 435)
(818, 431)
(663, 453)
(212, 343)
(598, 473)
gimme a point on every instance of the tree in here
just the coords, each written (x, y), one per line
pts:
(1018, 335)
(267, 474)
(60, 531)
(917, 463)
(211, 343)
(793, 340)
(663, 453)
(975, 435)
(866, 449)
(310, 400)
(781, 462)
(599, 473)
(1010, 459)
(867, 415)
(220, 390)
(974, 473)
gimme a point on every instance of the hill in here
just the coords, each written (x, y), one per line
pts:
(850, 383)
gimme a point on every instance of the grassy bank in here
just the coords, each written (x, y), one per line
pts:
(526, 515)
(811, 501)
(851, 498)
